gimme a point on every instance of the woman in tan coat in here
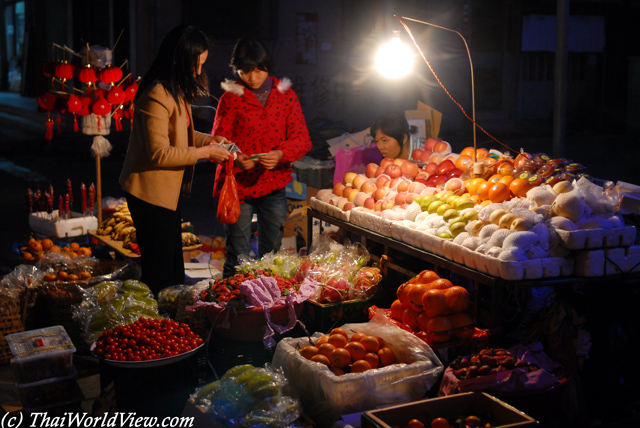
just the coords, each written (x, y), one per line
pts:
(163, 150)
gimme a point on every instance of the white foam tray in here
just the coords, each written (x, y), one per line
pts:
(609, 261)
(76, 225)
(597, 238)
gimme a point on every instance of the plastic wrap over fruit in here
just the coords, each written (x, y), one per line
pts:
(248, 396)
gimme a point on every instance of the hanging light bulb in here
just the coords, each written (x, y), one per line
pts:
(394, 59)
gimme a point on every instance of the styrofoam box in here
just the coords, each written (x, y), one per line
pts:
(76, 225)
(40, 354)
(450, 407)
(609, 261)
(597, 238)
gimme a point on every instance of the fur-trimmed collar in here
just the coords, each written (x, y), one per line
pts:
(234, 87)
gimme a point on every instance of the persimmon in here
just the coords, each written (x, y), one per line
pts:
(309, 351)
(386, 355)
(396, 310)
(370, 343)
(372, 359)
(435, 302)
(458, 299)
(326, 349)
(340, 357)
(356, 350)
(360, 366)
(323, 359)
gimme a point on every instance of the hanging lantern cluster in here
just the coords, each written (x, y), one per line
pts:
(103, 92)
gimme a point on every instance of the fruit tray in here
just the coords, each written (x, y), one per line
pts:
(370, 221)
(329, 209)
(608, 261)
(597, 238)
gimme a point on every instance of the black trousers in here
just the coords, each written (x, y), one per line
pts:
(159, 236)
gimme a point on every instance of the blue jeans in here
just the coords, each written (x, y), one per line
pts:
(272, 212)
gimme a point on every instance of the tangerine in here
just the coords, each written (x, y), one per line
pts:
(415, 423)
(499, 192)
(464, 162)
(370, 343)
(483, 190)
(426, 276)
(403, 293)
(481, 154)
(46, 243)
(458, 299)
(322, 339)
(74, 246)
(309, 351)
(387, 356)
(372, 359)
(415, 296)
(440, 423)
(340, 330)
(468, 151)
(435, 302)
(396, 310)
(326, 349)
(357, 337)
(336, 371)
(505, 168)
(439, 329)
(519, 187)
(463, 325)
(322, 359)
(73, 277)
(338, 340)
(439, 284)
(410, 318)
(356, 349)
(340, 357)
(360, 366)
(423, 320)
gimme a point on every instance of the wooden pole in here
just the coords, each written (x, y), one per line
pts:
(98, 190)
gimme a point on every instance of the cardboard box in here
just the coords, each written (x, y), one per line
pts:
(51, 225)
(480, 404)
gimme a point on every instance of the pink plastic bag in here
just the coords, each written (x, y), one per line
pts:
(355, 160)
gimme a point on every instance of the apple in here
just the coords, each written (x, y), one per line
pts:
(431, 168)
(400, 198)
(358, 201)
(430, 143)
(440, 180)
(445, 166)
(380, 171)
(410, 168)
(338, 188)
(436, 157)
(454, 172)
(378, 205)
(371, 169)
(416, 187)
(398, 161)
(393, 171)
(368, 187)
(442, 147)
(417, 154)
(411, 196)
(386, 162)
(369, 203)
(422, 175)
(425, 156)
(352, 194)
(348, 206)
(346, 191)
(401, 185)
(380, 193)
(388, 204)
(431, 181)
(358, 180)
(382, 179)
(348, 177)
(341, 202)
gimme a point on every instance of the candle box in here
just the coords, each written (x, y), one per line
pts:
(51, 225)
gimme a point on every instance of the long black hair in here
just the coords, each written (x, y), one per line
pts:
(176, 62)
(249, 54)
(394, 125)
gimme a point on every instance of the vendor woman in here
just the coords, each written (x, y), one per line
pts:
(392, 135)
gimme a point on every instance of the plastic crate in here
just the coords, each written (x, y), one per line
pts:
(49, 392)
(41, 354)
(157, 391)
(225, 353)
(323, 317)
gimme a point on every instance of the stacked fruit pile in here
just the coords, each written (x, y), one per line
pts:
(35, 249)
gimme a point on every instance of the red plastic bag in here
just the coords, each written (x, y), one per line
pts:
(229, 203)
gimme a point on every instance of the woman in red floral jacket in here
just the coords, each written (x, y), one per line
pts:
(263, 117)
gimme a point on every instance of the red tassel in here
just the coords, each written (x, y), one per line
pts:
(75, 123)
(99, 124)
(49, 134)
(118, 124)
(59, 121)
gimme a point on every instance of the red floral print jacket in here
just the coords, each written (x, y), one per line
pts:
(254, 128)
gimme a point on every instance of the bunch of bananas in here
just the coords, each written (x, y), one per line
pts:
(190, 239)
(120, 226)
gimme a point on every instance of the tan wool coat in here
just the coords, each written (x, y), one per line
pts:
(162, 150)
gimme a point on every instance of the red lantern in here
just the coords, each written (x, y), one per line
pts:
(74, 105)
(110, 75)
(131, 91)
(116, 95)
(64, 71)
(85, 110)
(117, 116)
(47, 102)
(49, 68)
(100, 107)
(87, 75)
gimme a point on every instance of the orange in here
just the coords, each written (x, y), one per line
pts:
(340, 357)
(467, 151)
(495, 178)
(55, 249)
(426, 276)
(322, 339)
(439, 284)
(423, 320)
(505, 168)
(435, 302)
(360, 366)
(387, 356)
(507, 179)
(483, 190)
(410, 318)
(74, 246)
(372, 359)
(319, 358)
(403, 293)
(415, 296)
(464, 162)
(357, 337)
(472, 185)
(46, 243)
(519, 187)
(463, 325)
(340, 330)
(415, 423)
(370, 343)
(338, 340)
(440, 423)
(63, 276)
(499, 192)
(481, 154)
(356, 349)
(458, 299)
(396, 311)
(84, 251)
(439, 329)
(73, 277)
(308, 351)
(326, 349)
(381, 342)
(337, 371)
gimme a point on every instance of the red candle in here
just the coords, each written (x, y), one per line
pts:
(66, 205)
(83, 191)
(92, 197)
(30, 200)
(61, 207)
(69, 192)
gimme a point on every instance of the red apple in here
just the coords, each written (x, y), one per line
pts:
(442, 147)
(409, 168)
(338, 188)
(431, 168)
(346, 191)
(348, 177)
(380, 171)
(430, 143)
(410, 197)
(368, 187)
(393, 171)
(386, 162)
(371, 169)
(416, 154)
(440, 180)
(400, 198)
(382, 179)
(369, 203)
(431, 181)
(425, 156)
(380, 193)
(388, 204)
(445, 166)
(454, 172)
(398, 161)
